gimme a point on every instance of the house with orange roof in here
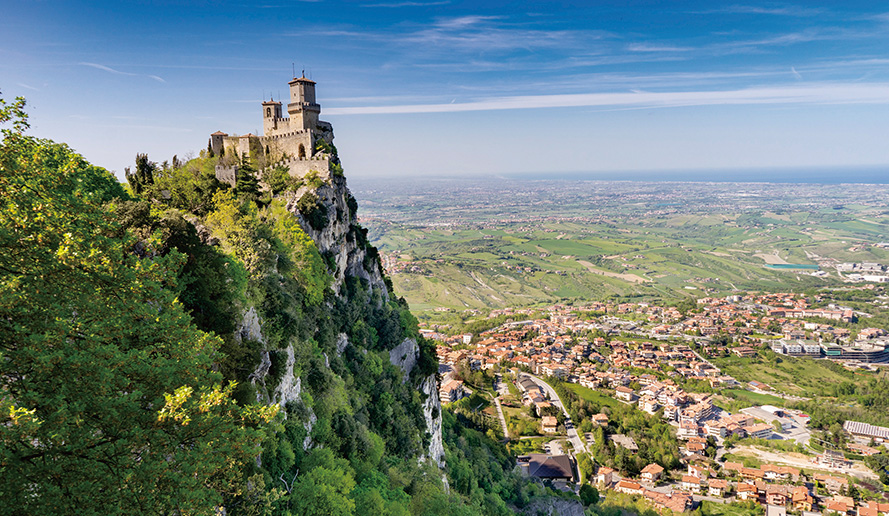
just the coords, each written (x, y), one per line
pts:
(759, 431)
(734, 467)
(777, 495)
(451, 391)
(717, 487)
(700, 471)
(625, 393)
(652, 472)
(882, 508)
(831, 483)
(688, 429)
(629, 487)
(801, 500)
(752, 473)
(550, 424)
(772, 472)
(690, 483)
(836, 507)
(747, 491)
(604, 476)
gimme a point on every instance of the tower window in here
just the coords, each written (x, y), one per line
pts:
(302, 151)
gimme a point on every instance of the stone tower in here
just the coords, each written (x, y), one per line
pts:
(303, 109)
(217, 142)
(291, 142)
(271, 115)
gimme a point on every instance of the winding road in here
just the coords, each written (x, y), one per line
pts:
(576, 441)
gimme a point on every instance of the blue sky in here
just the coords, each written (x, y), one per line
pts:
(441, 87)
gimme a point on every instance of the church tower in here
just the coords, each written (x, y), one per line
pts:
(302, 108)
(271, 115)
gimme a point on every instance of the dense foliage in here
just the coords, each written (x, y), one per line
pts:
(654, 436)
(148, 337)
(109, 402)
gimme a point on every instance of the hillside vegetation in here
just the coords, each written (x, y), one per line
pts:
(485, 245)
(183, 346)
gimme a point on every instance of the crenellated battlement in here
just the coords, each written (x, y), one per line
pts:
(290, 134)
(299, 167)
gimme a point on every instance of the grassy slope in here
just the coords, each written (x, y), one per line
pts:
(591, 395)
(674, 236)
(800, 376)
(464, 269)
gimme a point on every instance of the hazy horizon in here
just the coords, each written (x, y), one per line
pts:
(788, 175)
(463, 88)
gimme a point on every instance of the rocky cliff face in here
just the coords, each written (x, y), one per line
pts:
(326, 211)
(340, 238)
(432, 413)
(554, 507)
(405, 356)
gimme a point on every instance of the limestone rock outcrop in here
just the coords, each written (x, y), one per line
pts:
(340, 237)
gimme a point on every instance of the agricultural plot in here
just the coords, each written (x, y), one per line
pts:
(544, 242)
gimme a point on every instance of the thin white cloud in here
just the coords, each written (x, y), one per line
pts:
(789, 10)
(826, 93)
(107, 69)
(27, 86)
(452, 38)
(795, 73)
(118, 72)
(461, 22)
(808, 35)
(651, 47)
(408, 4)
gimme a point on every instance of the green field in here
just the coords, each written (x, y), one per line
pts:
(592, 396)
(755, 398)
(800, 376)
(487, 245)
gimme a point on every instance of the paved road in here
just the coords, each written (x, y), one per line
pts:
(501, 389)
(500, 415)
(577, 443)
(500, 386)
(554, 448)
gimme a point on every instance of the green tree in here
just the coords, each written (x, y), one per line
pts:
(323, 492)
(142, 178)
(279, 180)
(108, 399)
(589, 495)
(189, 187)
(246, 184)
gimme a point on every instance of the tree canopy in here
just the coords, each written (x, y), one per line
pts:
(108, 400)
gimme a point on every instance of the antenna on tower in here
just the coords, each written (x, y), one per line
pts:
(293, 66)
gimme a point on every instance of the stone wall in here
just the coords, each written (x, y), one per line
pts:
(301, 167)
(227, 174)
(275, 125)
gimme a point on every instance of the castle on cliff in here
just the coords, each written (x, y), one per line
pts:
(286, 141)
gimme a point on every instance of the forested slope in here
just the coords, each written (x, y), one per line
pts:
(181, 346)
